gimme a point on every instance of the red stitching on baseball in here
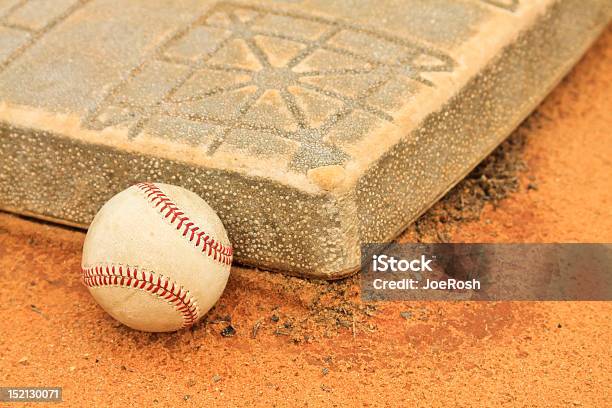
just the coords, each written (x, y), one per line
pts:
(126, 276)
(219, 252)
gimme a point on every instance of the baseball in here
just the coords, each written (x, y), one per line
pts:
(156, 257)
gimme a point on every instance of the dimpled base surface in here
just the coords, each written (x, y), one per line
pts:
(309, 126)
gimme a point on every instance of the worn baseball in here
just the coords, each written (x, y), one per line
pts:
(156, 257)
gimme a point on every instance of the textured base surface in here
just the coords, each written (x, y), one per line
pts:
(309, 131)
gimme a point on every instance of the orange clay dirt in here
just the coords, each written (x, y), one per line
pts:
(314, 343)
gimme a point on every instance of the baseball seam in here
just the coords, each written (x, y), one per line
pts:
(192, 232)
(104, 275)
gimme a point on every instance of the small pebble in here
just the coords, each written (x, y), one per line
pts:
(228, 331)
(406, 315)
